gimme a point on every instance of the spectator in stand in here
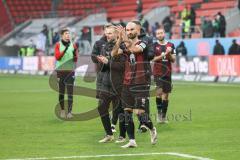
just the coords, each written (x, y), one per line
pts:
(56, 38)
(22, 51)
(50, 36)
(218, 49)
(239, 5)
(185, 13)
(122, 23)
(31, 49)
(215, 24)
(185, 23)
(222, 24)
(203, 25)
(167, 25)
(192, 19)
(46, 33)
(154, 28)
(234, 48)
(45, 30)
(209, 30)
(139, 8)
(41, 43)
(144, 23)
(181, 50)
(186, 31)
(109, 20)
(86, 34)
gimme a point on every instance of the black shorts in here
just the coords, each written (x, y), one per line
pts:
(164, 82)
(66, 79)
(135, 96)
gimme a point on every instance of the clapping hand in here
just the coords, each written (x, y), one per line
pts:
(102, 59)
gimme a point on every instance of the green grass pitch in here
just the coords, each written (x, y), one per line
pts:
(204, 121)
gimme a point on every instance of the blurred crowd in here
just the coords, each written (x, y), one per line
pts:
(234, 48)
(214, 26)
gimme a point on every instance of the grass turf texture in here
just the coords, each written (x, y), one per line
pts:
(29, 127)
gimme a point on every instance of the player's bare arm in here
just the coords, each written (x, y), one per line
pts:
(170, 55)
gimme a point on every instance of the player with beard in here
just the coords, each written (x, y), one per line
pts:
(97, 50)
(164, 57)
(112, 78)
(148, 52)
(135, 92)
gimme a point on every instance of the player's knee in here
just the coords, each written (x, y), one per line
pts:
(159, 93)
(139, 111)
(165, 96)
(128, 116)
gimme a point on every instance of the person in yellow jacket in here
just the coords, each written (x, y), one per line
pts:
(185, 13)
(187, 28)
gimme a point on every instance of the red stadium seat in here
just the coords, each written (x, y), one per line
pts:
(218, 5)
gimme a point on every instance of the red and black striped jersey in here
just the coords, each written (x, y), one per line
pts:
(163, 67)
(136, 71)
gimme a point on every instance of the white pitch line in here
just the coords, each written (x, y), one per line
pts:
(207, 84)
(188, 156)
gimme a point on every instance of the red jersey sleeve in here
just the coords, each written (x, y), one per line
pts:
(58, 55)
(75, 54)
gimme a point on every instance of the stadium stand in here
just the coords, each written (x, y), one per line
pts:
(32, 30)
(28, 9)
(21, 11)
(81, 7)
(203, 9)
(6, 25)
(235, 33)
(125, 9)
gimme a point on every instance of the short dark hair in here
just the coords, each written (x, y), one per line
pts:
(108, 25)
(160, 27)
(64, 30)
(136, 22)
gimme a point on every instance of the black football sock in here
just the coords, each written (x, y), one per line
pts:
(122, 127)
(145, 119)
(165, 108)
(129, 124)
(61, 101)
(159, 104)
(70, 102)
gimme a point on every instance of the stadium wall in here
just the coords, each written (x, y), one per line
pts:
(191, 68)
(204, 46)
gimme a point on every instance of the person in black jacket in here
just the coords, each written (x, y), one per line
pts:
(218, 49)
(97, 49)
(192, 19)
(167, 24)
(112, 76)
(181, 50)
(239, 4)
(222, 25)
(234, 48)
